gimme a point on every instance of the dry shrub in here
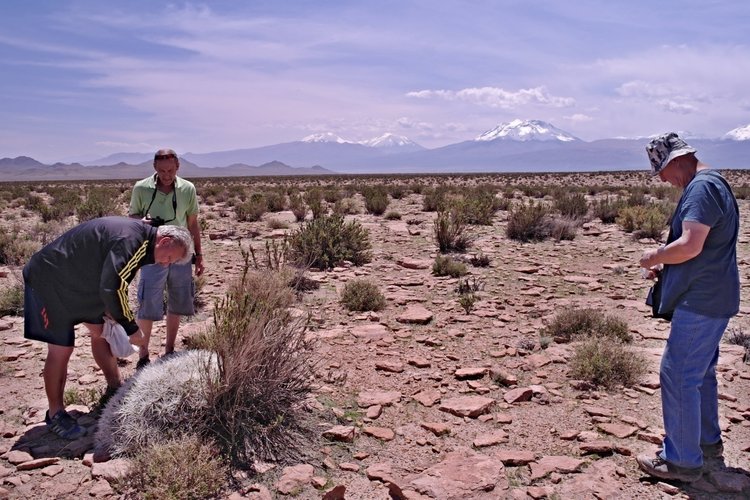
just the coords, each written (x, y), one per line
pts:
(645, 221)
(376, 199)
(264, 371)
(346, 206)
(526, 222)
(570, 324)
(571, 205)
(445, 266)
(99, 202)
(274, 223)
(15, 247)
(252, 209)
(480, 260)
(11, 300)
(180, 469)
(450, 231)
(393, 215)
(314, 200)
(559, 229)
(362, 295)
(297, 206)
(477, 205)
(326, 241)
(607, 209)
(275, 200)
(607, 362)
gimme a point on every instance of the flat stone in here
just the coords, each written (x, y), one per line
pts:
(463, 473)
(470, 373)
(428, 397)
(414, 263)
(294, 478)
(467, 406)
(618, 430)
(111, 470)
(382, 398)
(515, 457)
(371, 332)
(389, 366)
(597, 411)
(380, 472)
(17, 457)
(101, 488)
(52, 470)
(729, 482)
(490, 439)
(37, 463)
(415, 315)
(419, 362)
(437, 428)
(382, 433)
(548, 464)
(12, 354)
(341, 433)
(518, 395)
(599, 447)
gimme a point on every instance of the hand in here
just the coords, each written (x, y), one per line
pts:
(648, 259)
(199, 268)
(137, 338)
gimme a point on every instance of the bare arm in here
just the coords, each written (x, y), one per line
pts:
(684, 248)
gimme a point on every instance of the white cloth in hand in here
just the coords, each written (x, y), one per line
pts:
(118, 341)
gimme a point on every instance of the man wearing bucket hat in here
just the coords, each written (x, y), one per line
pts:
(701, 288)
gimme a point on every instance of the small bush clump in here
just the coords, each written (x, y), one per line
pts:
(362, 295)
(570, 324)
(376, 200)
(445, 266)
(571, 205)
(182, 468)
(314, 199)
(298, 207)
(11, 300)
(252, 209)
(607, 209)
(480, 260)
(450, 231)
(393, 215)
(526, 222)
(325, 241)
(99, 202)
(607, 362)
(644, 221)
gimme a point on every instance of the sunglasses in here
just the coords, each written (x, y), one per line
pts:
(164, 157)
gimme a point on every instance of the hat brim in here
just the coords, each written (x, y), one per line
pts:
(674, 154)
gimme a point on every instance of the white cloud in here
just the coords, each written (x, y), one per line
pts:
(495, 97)
(578, 118)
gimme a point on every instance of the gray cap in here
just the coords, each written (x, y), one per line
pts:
(665, 148)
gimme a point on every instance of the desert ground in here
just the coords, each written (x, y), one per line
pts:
(440, 400)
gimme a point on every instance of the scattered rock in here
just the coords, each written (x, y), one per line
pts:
(437, 428)
(462, 474)
(382, 398)
(415, 315)
(548, 464)
(467, 406)
(491, 439)
(428, 397)
(518, 395)
(294, 478)
(341, 433)
(111, 470)
(382, 433)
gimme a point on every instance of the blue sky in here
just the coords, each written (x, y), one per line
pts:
(83, 79)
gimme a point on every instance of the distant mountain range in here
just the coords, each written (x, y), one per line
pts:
(516, 146)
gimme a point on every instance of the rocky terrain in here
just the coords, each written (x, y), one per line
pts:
(441, 403)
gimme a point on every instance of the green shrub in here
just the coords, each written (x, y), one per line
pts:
(560, 228)
(526, 222)
(323, 242)
(445, 266)
(571, 323)
(480, 260)
(450, 231)
(393, 215)
(11, 300)
(180, 469)
(571, 205)
(275, 201)
(314, 200)
(467, 302)
(644, 221)
(376, 200)
(607, 209)
(477, 206)
(332, 195)
(265, 363)
(607, 362)
(252, 209)
(274, 223)
(15, 247)
(345, 206)
(297, 206)
(362, 295)
(434, 199)
(99, 202)
(396, 191)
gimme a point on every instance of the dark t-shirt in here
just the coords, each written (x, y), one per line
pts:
(709, 283)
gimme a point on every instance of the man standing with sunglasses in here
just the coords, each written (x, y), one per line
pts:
(165, 198)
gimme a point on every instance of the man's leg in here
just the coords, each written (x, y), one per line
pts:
(173, 325)
(103, 355)
(55, 375)
(688, 356)
(145, 325)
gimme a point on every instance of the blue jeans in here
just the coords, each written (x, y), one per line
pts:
(689, 397)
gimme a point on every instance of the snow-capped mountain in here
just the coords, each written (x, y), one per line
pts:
(527, 130)
(389, 140)
(326, 137)
(738, 134)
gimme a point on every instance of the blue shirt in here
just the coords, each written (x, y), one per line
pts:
(709, 283)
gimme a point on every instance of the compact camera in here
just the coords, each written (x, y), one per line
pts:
(156, 221)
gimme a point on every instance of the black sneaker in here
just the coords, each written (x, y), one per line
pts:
(658, 467)
(64, 426)
(142, 362)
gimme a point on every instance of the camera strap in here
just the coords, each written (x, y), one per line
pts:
(174, 202)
